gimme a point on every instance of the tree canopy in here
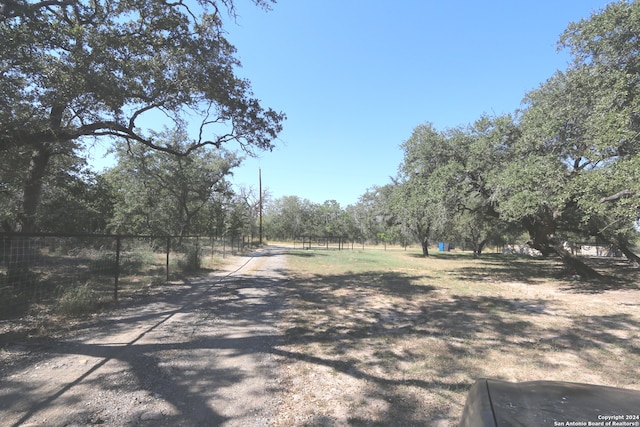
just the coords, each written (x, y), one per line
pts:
(160, 193)
(94, 68)
(72, 69)
(564, 167)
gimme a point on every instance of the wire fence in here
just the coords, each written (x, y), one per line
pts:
(321, 242)
(74, 273)
(343, 243)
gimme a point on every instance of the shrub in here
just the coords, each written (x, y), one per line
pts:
(192, 260)
(131, 262)
(104, 264)
(76, 299)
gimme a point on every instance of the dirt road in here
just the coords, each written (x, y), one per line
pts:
(196, 354)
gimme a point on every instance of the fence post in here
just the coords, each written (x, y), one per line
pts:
(117, 273)
(168, 249)
(197, 261)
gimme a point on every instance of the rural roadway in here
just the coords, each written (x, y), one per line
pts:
(194, 354)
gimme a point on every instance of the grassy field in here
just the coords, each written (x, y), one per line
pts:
(391, 338)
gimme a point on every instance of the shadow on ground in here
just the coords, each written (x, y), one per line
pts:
(408, 340)
(172, 367)
(417, 342)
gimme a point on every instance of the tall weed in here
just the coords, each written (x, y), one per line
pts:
(192, 260)
(76, 299)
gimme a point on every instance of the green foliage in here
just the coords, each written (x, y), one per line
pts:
(291, 217)
(74, 201)
(134, 261)
(241, 214)
(608, 37)
(419, 200)
(115, 61)
(567, 167)
(13, 165)
(445, 189)
(192, 260)
(574, 171)
(72, 70)
(372, 216)
(71, 198)
(159, 193)
(131, 262)
(524, 186)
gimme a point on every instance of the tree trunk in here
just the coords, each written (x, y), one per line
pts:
(478, 248)
(623, 244)
(632, 257)
(628, 253)
(32, 189)
(425, 247)
(575, 264)
(19, 247)
(541, 230)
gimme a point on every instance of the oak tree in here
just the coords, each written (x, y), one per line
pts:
(77, 69)
(159, 193)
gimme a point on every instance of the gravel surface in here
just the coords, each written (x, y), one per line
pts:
(190, 354)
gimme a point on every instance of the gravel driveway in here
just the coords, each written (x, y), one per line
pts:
(194, 354)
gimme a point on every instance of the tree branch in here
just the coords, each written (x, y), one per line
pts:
(618, 196)
(10, 8)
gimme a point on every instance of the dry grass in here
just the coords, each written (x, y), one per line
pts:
(391, 338)
(72, 289)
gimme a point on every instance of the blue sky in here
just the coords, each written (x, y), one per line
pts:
(356, 77)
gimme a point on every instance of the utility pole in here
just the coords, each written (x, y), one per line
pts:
(260, 185)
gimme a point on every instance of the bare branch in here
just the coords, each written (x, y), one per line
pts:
(180, 3)
(618, 196)
(137, 114)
